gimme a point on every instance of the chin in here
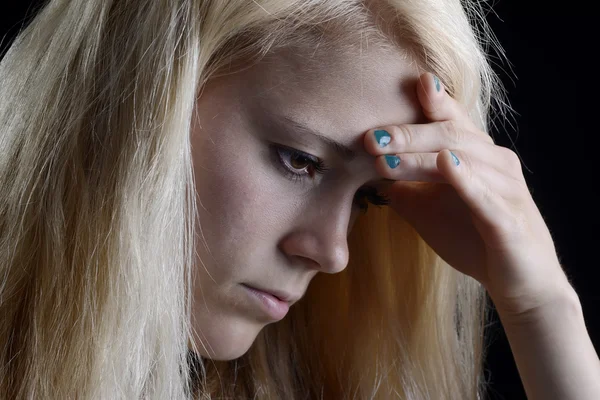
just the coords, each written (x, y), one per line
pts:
(226, 341)
(226, 354)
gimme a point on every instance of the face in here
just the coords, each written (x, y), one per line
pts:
(270, 218)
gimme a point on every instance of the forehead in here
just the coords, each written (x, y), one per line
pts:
(344, 92)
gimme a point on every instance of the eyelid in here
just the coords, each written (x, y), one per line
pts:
(368, 194)
(300, 152)
(278, 151)
(317, 163)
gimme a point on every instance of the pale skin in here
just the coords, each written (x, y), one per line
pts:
(479, 215)
(488, 202)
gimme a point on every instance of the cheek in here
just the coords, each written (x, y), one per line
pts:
(240, 200)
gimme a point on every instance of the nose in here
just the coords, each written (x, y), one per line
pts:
(320, 241)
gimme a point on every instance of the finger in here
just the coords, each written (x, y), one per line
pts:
(437, 104)
(494, 198)
(425, 167)
(420, 167)
(425, 138)
(422, 138)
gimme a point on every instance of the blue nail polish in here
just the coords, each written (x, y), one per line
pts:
(382, 137)
(392, 161)
(436, 80)
(455, 159)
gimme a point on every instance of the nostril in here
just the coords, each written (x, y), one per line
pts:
(309, 262)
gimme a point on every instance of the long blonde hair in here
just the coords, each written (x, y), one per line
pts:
(98, 212)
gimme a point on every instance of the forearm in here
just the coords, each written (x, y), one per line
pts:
(554, 353)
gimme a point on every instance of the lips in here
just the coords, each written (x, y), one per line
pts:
(272, 306)
(274, 295)
(278, 294)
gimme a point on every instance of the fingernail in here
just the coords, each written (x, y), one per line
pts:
(392, 161)
(455, 159)
(383, 138)
(436, 80)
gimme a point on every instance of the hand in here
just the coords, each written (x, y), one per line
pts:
(469, 201)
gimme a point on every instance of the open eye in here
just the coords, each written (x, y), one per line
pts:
(298, 164)
(298, 161)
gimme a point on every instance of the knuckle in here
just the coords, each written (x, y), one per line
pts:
(466, 163)
(512, 160)
(487, 138)
(405, 135)
(419, 162)
(452, 131)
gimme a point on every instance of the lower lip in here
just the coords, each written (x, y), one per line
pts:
(275, 308)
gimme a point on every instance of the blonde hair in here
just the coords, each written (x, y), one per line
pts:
(98, 212)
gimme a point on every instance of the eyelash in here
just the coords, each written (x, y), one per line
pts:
(362, 197)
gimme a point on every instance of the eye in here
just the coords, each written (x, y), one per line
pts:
(367, 195)
(297, 164)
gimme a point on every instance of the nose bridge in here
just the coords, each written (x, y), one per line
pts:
(321, 233)
(336, 206)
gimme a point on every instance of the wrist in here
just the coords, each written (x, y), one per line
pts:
(563, 301)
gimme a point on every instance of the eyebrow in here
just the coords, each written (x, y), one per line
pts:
(343, 151)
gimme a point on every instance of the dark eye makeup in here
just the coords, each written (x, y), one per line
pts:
(297, 166)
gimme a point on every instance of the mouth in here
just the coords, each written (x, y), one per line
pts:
(272, 305)
(280, 295)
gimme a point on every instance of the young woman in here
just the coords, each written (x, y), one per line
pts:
(175, 173)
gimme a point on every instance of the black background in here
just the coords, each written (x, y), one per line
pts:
(552, 85)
